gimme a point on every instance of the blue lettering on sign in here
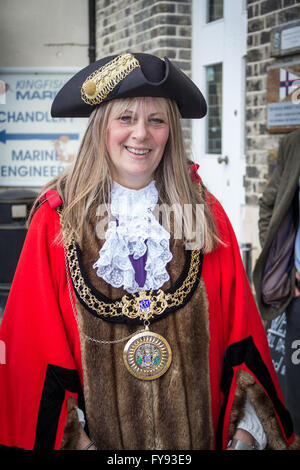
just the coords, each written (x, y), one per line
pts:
(35, 95)
(39, 155)
(30, 171)
(33, 116)
(55, 84)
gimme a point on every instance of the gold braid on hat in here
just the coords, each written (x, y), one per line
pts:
(100, 83)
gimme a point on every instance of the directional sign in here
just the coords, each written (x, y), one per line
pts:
(34, 147)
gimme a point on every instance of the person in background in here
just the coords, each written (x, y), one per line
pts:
(126, 328)
(276, 275)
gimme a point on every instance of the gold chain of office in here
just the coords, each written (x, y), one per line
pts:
(129, 305)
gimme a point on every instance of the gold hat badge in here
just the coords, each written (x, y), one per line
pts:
(100, 83)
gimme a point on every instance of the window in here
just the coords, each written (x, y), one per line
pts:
(214, 10)
(214, 104)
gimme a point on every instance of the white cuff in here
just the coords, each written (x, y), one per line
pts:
(81, 417)
(252, 424)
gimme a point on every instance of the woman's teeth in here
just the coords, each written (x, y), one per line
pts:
(138, 151)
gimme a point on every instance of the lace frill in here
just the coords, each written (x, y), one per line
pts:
(136, 233)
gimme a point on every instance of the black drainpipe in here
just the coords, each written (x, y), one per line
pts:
(92, 30)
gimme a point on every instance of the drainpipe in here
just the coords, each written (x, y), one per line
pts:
(92, 30)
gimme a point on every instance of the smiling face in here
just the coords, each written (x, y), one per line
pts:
(136, 139)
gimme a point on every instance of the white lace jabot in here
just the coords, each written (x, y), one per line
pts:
(134, 232)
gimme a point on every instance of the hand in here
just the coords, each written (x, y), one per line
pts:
(84, 441)
(243, 436)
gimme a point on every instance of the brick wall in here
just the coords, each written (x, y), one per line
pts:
(260, 145)
(158, 27)
(163, 28)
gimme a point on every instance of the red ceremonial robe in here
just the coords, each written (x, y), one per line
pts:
(42, 366)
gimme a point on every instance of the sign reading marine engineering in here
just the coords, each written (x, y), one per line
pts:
(34, 147)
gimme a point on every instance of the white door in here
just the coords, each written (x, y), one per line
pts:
(218, 68)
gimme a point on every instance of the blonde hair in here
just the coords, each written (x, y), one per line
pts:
(87, 183)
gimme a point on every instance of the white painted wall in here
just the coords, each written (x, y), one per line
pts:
(44, 33)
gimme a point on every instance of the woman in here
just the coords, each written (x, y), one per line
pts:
(131, 323)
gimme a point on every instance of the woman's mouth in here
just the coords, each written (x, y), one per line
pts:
(137, 152)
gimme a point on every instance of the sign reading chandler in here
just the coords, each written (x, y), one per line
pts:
(34, 147)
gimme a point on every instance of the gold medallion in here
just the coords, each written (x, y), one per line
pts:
(147, 355)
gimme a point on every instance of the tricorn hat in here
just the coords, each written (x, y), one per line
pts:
(124, 76)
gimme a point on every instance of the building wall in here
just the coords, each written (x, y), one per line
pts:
(260, 145)
(153, 26)
(42, 33)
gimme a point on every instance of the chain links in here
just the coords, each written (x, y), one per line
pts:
(129, 305)
(102, 341)
(94, 340)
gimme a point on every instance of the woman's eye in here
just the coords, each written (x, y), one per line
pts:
(125, 118)
(157, 121)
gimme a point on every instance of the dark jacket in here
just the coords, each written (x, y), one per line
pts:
(278, 221)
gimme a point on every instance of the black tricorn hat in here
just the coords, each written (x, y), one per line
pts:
(124, 76)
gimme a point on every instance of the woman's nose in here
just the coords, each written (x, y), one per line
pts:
(140, 131)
